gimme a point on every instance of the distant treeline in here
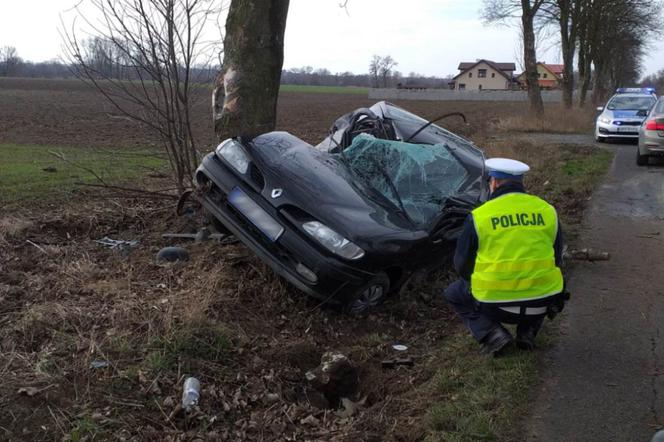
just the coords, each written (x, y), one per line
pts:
(323, 77)
(300, 76)
(110, 66)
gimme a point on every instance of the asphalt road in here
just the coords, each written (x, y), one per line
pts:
(604, 381)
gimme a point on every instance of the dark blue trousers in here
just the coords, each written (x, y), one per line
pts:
(481, 318)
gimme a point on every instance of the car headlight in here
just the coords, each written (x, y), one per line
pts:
(233, 152)
(604, 120)
(332, 241)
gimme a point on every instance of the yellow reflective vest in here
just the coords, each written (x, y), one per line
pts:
(515, 255)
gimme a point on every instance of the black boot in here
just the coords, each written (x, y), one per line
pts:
(496, 341)
(525, 339)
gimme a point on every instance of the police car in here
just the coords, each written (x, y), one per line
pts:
(624, 113)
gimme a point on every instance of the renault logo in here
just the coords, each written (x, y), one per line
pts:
(276, 193)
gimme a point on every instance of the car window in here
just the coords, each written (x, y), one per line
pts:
(432, 132)
(400, 114)
(660, 107)
(627, 102)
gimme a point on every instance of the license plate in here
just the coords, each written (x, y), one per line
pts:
(255, 214)
(632, 129)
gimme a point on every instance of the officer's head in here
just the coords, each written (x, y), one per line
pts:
(503, 171)
(495, 183)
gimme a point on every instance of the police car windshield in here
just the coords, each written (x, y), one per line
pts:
(627, 102)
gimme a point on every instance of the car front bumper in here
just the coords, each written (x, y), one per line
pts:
(616, 131)
(336, 280)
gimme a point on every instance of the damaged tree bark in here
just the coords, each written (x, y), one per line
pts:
(245, 96)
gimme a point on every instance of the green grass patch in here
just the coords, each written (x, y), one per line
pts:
(204, 340)
(483, 398)
(32, 173)
(571, 180)
(353, 90)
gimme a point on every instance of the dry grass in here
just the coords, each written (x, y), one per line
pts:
(556, 119)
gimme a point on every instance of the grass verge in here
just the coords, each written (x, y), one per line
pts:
(32, 173)
(324, 89)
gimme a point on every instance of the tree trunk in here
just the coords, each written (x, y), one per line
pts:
(247, 88)
(530, 59)
(568, 25)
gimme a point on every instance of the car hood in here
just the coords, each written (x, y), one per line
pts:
(317, 185)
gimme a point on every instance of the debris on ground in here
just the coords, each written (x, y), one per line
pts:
(97, 363)
(393, 363)
(399, 347)
(124, 246)
(172, 254)
(190, 394)
(349, 407)
(587, 255)
(200, 236)
(335, 377)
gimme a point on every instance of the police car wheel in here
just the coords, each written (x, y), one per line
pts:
(371, 295)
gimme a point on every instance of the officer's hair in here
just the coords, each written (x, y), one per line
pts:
(501, 181)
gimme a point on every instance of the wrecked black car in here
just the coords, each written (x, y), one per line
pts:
(350, 220)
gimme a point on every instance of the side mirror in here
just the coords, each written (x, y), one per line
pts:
(600, 109)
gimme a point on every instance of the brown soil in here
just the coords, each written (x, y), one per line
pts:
(70, 113)
(67, 301)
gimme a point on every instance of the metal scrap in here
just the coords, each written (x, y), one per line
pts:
(587, 255)
(119, 244)
(393, 363)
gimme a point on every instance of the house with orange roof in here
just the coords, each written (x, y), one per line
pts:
(549, 76)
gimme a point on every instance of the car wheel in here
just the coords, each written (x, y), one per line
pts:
(216, 224)
(600, 139)
(641, 160)
(369, 296)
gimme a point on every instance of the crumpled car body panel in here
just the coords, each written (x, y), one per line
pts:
(292, 183)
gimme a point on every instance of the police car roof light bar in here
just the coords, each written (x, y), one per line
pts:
(635, 90)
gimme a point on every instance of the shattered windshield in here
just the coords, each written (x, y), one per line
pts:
(416, 178)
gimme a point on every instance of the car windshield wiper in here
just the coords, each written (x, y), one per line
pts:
(394, 191)
(371, 192)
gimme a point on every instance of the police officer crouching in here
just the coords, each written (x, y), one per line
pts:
(509, 257)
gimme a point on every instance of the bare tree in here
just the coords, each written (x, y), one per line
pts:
(527, 10)
(567, 16)
(374, 69)
(9, 61)
(387, 63)
(246, 92)
(159, 42)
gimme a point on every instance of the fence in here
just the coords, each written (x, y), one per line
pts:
(451, 95)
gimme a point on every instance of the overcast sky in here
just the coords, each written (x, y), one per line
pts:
(430, 37)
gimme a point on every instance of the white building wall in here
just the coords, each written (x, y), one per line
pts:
(473, 83)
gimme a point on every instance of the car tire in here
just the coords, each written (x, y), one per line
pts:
(641, 160)
(217, 225)
(600, 139)
(371, 295)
